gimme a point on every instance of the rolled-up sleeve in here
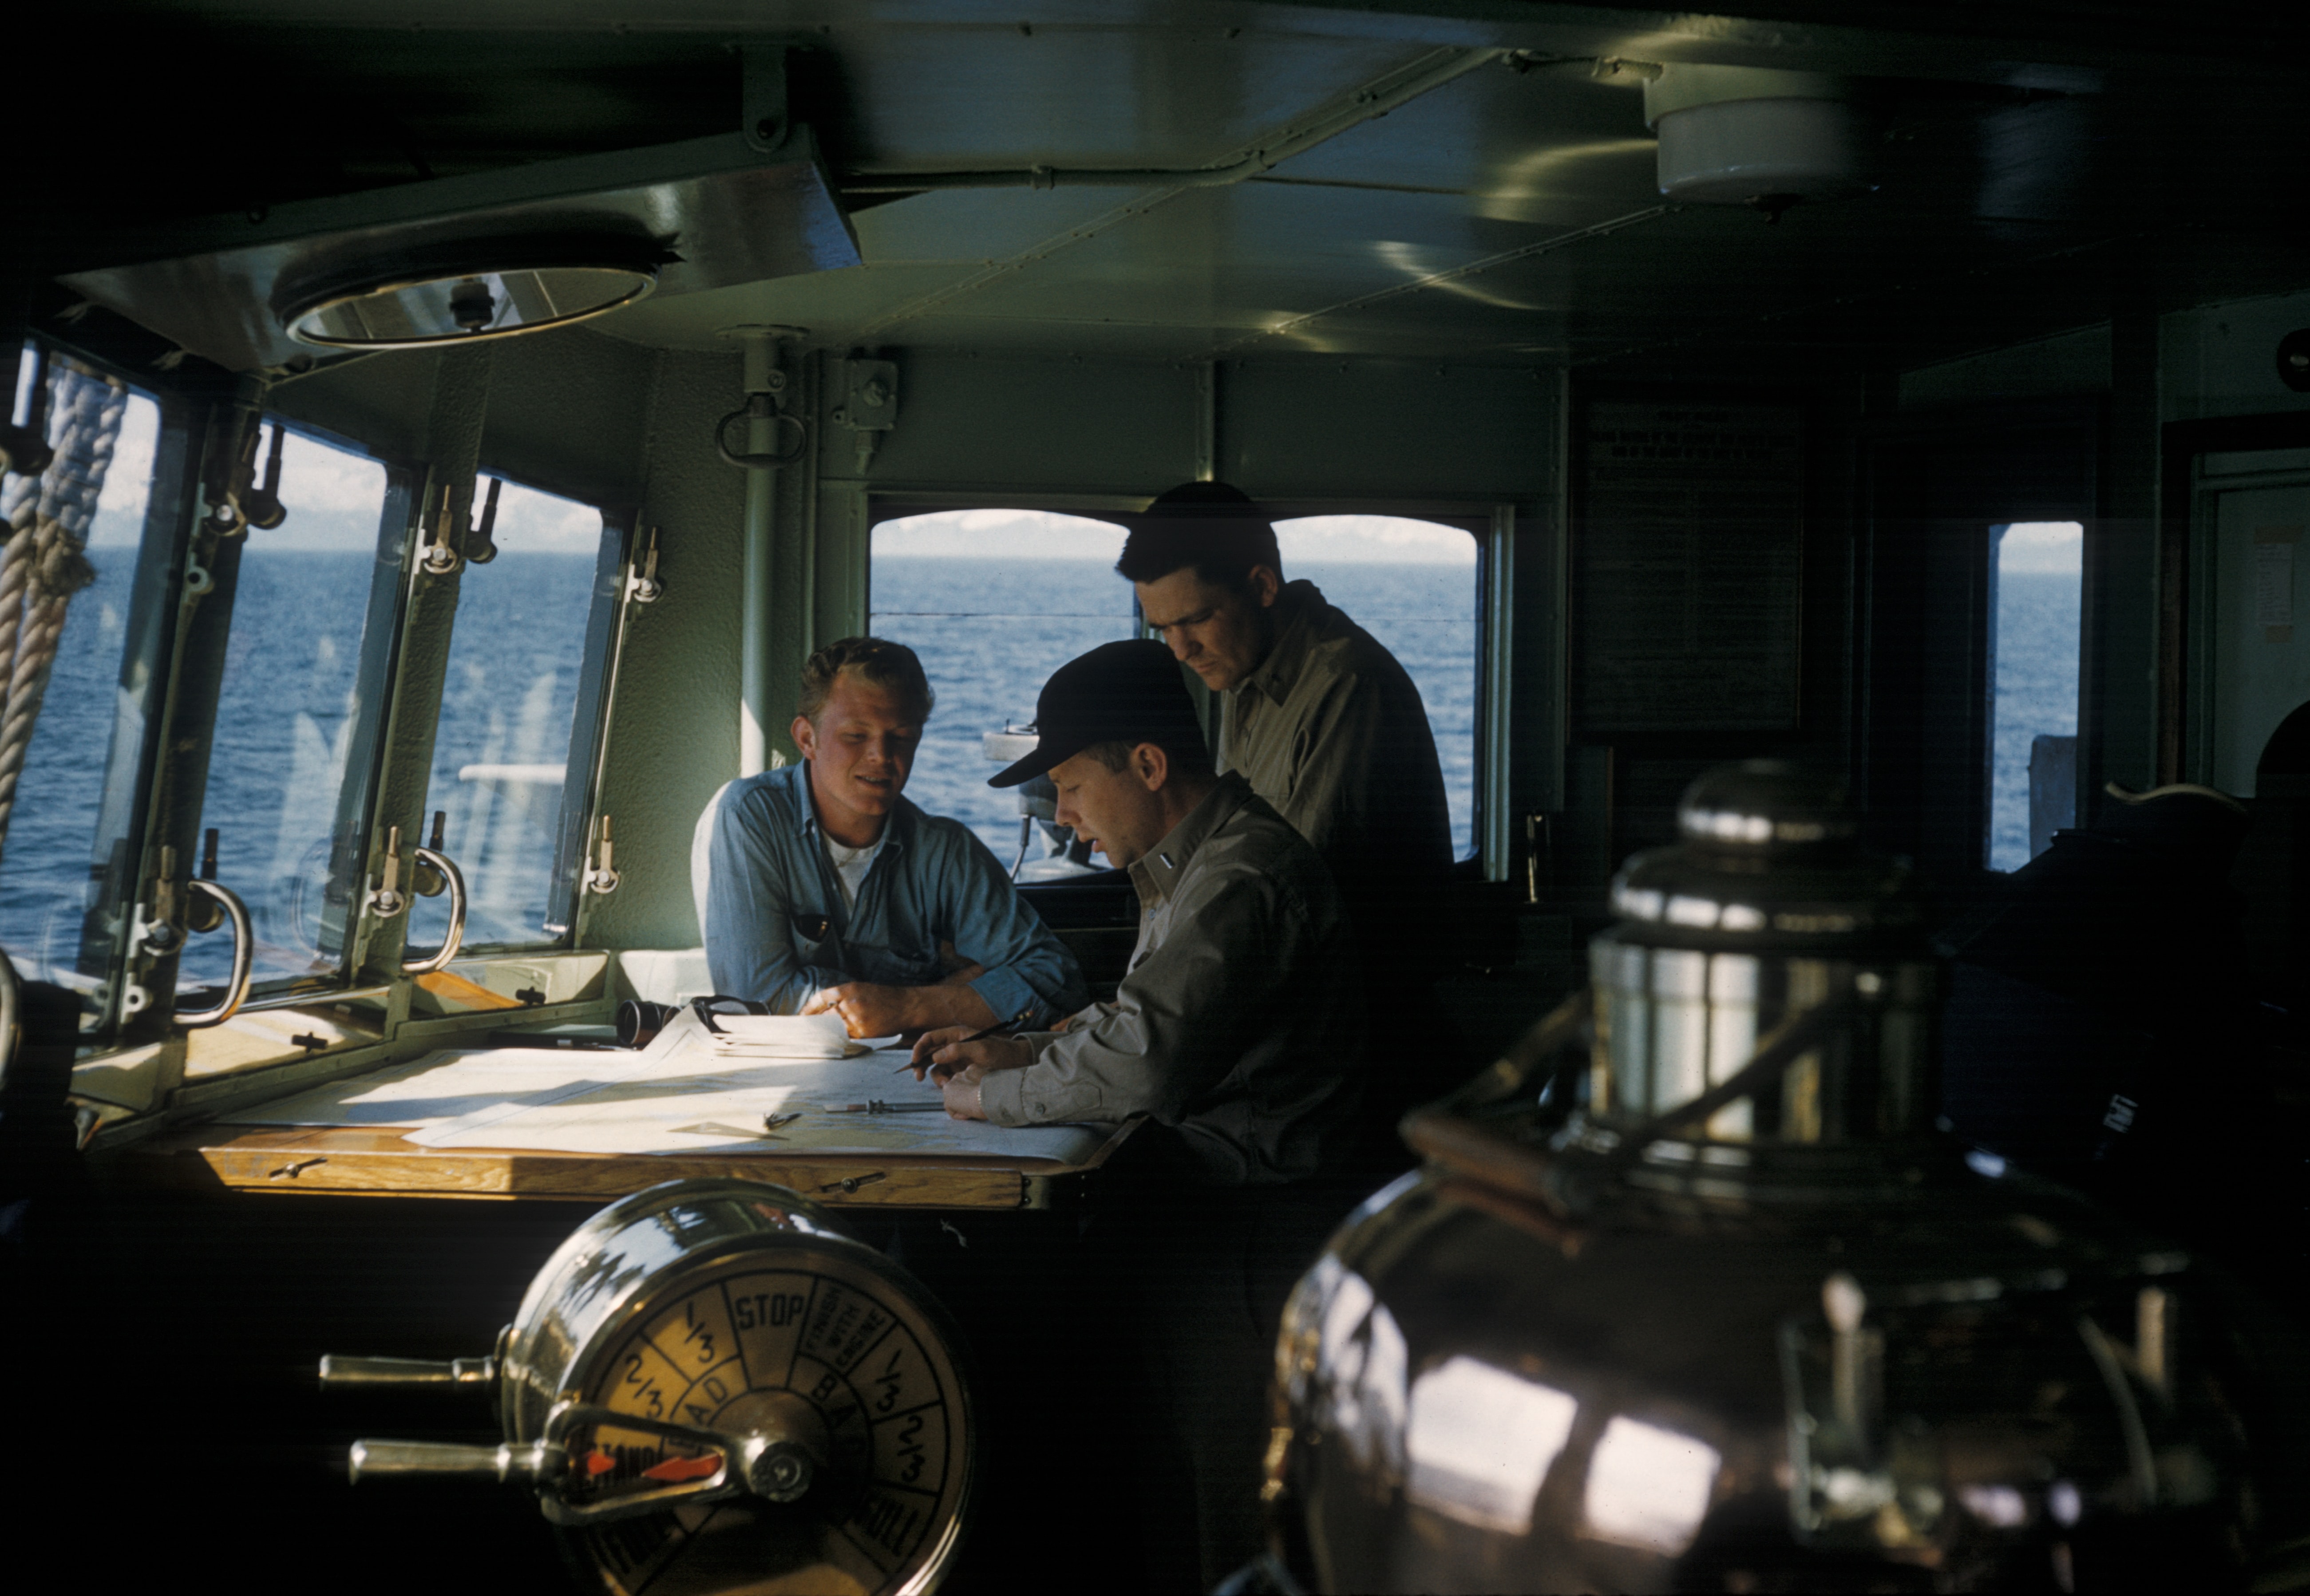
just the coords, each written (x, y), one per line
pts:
(1177, 1023)
(1028, 969)
(749, 950)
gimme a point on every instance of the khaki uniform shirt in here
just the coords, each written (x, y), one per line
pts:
(1240, 1020)
(1329, 729)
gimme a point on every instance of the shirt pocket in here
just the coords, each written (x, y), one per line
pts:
(823, 948)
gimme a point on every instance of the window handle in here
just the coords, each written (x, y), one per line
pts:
(429, 860)
(227, 905)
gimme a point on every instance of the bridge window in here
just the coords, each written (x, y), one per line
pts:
(73, 811)
(510, 713)
(996, 600)
(1412, 585)
(299, 709)
(2037, 585)
(993, 601)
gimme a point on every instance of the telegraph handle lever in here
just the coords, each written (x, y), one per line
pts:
(565, 1464)
(339, 1373)
(532, 1463)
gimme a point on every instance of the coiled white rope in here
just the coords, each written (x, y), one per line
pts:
(44, 561)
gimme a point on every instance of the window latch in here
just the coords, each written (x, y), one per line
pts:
(644, 587)
(442, 558)
(601, 875)
(386, 899)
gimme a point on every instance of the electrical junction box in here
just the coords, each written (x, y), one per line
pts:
(870, 395)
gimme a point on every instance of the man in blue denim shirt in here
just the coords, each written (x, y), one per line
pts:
(826, 891)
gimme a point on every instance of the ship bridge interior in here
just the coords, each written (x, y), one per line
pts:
(1717, 451)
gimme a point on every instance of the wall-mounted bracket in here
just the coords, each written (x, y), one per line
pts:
(441, 556)
(643, 587)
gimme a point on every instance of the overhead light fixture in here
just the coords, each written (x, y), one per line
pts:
(477, 298)
(1749, 136)
(483, 254)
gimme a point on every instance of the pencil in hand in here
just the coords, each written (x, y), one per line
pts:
(1002, 1028)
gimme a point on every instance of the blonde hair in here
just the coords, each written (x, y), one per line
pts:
(879, 663)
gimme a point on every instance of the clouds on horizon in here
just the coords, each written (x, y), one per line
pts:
(1049, 535)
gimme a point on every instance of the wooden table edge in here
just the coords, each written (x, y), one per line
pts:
(344, 1162)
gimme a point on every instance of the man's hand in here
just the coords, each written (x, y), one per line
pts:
(944, 1055)
(961, 1091)
(871, 1009)
(866, 1007)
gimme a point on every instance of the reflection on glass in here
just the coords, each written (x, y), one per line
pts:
(1480, 1441)
(287, 710)
(508, 707)
(65, 874)
(2040, 584)
(993, 601)
(1648, 1486)
(1412, 585)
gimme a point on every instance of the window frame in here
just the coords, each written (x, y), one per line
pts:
(386, 607)
(151, 655)
(1492, 521)
(609, 613)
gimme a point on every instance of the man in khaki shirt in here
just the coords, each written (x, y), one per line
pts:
(1240, 1023)
(1329, 728)
(1238, 1030)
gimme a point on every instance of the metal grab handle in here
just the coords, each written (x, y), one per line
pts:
(339, 1372)
(760, 409)
(244, 955)
(455, 935)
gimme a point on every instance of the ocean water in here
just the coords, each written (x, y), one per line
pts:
(991, 630)
(283, 726)
(2036, 695)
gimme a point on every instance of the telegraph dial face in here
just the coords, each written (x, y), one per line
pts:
(816, 1346)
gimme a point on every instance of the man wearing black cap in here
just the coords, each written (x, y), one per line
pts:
(1240, 1023)
(1239, 1031)
(1327, 726)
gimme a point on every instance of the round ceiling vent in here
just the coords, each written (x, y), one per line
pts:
(423, 306)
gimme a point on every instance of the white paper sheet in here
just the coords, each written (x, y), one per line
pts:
(688, 1108)
(442, 1087)
(681, 1094)
(452, 1083)
(785, 1035)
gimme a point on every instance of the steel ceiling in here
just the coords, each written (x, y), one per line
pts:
(2036, 174)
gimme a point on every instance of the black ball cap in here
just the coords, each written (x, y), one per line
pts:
(1118, 692)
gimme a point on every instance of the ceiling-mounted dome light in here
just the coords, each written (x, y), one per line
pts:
(1746, 136)
(420, 306)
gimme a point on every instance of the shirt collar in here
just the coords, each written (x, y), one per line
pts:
(1157, 875)
(895, 831)
(1298, 614)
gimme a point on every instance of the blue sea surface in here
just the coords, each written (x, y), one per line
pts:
(991, 630)
(284, 724)
(2037, 695)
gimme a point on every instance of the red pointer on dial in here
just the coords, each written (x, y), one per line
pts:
(682, 1467)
